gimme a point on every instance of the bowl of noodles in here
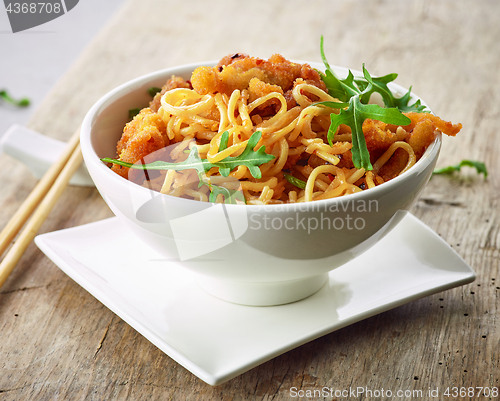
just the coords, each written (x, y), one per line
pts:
(228, 169)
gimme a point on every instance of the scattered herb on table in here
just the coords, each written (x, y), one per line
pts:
(24, 102)
(354, 94)
(479, 166)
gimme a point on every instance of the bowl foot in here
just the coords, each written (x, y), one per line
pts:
(264, 293)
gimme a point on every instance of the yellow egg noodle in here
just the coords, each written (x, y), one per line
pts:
(191, 118)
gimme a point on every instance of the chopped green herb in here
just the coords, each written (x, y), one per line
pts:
(479, 166)
(250, 158)
(24, 102)
(295, 181)
(153, 91)
(354, 94)
(133, 112)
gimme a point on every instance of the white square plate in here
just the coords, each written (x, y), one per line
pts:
(217, 340)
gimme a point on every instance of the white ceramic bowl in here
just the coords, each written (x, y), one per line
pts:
(253, 255)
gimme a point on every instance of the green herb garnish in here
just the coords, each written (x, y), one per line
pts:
(24, 102)
(250, 158)
(379, 85)
(479, 166)
(231, 196)
(153, 91)
(344, 89)
(224, 139)
(295, 181)
(133, 112)
(354, 94)
(354, 116)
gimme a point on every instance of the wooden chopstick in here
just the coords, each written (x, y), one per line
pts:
(44, 195)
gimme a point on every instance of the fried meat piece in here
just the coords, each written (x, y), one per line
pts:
(345, 160)
(419, 134)
(422, 128)
(145, 134)
(291, 161)
(393, 167)
(445, 127)
(236, 72)
(258, 88)
(379, 136)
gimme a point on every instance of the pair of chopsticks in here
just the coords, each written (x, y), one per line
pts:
(42, 198)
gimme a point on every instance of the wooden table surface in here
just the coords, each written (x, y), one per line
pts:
(58, 342)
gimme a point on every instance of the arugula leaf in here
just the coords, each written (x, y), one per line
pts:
(354, 94)
(295, 181)
(333, 85)
(334, 105)
(402, 104)
(354, 116)
(250, 158)
(344, 89)
(133, 112)
(223, 141)
(153, 91)
(24, 102)
(479, 166)
(193, 161)
(231, 196)
(379, 85)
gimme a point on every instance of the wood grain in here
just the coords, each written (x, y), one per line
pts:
(58, 342)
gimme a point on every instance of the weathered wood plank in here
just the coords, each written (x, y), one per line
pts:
(59, 342)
